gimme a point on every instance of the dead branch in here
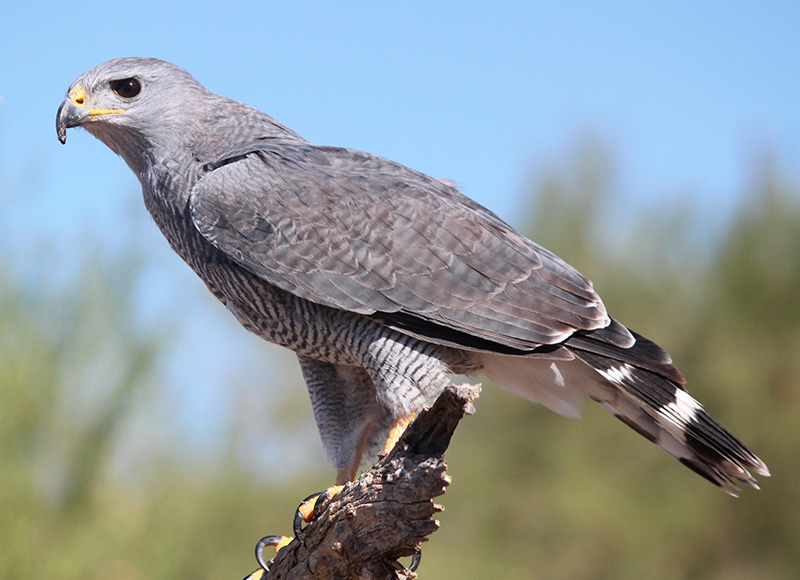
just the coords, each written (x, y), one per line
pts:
(386, 512)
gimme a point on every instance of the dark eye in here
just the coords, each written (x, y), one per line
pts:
(126, 88)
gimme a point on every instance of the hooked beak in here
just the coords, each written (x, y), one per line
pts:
(69, 115)
(73, 112)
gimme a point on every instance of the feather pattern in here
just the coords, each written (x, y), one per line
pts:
(361, 233)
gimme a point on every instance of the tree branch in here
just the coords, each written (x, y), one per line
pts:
(386, 512)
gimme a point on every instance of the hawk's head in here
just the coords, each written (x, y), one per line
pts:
(131, 104)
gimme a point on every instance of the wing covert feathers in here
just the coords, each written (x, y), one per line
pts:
(357, 232)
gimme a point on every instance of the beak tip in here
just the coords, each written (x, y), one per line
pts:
(69, 115)
(61, 126)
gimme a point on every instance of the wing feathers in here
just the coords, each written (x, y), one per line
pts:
(357, 232)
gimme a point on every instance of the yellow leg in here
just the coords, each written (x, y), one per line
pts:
(399, 427)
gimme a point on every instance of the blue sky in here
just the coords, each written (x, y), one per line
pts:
(684, 93)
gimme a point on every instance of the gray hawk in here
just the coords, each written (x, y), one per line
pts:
(382, 279)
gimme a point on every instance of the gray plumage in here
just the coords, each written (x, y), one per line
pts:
(382, 279)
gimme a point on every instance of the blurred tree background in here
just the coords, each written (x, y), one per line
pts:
(533, 495)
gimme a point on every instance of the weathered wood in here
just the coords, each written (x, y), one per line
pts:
(386, 512)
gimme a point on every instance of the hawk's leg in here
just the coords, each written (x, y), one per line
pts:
(408, 375)
(348, 416)
(351, 421)
(397, 430)
(307, 509)
(354, 406)
(352, 425)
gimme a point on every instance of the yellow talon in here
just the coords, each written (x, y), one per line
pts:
(399, 427)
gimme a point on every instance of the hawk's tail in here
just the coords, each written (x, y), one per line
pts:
(638, 385)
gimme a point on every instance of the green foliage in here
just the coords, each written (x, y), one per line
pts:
(74, 368)
(533, 495)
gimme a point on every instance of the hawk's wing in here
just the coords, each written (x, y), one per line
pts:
(358, 232)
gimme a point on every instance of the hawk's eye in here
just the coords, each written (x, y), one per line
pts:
(126, 88)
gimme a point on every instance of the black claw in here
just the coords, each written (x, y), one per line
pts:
(263, 543)
(415, 559)
(323, 497)
(297, 523)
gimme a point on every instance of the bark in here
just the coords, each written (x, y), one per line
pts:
(386, 512)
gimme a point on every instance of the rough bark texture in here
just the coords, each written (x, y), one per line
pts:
(386, 512)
